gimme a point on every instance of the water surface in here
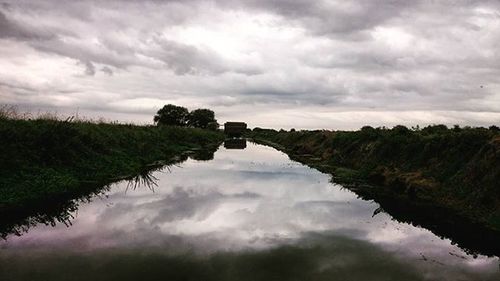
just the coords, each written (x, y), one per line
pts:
(247, 214)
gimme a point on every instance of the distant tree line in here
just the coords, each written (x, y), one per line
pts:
(174, 115)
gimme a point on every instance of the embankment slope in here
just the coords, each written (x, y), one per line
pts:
(43, 160)
(457, 169)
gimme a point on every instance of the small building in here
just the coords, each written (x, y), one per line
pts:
(235, 129)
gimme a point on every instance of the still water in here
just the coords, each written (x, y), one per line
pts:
(249, 214)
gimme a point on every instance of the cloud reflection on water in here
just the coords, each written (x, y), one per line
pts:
(253, 206)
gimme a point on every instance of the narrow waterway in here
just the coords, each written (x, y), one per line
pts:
(247, 214)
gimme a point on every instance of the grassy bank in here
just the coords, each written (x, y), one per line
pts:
(45, 160)
(457, 169)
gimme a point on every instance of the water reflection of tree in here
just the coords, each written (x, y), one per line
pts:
(19, 222)
(202, 155)
(63, 209)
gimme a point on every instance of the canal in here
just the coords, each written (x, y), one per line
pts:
(246, 214)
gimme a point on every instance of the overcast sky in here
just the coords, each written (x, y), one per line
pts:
(282, 64)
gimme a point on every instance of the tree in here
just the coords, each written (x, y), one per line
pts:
(494, 128)
(172, 115)
(213, 126)
(201, 118)
(400, 130)
(435, 129)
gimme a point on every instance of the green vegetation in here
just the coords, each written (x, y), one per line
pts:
(45, 159)
(457, 168)
(173, 115)
(202, 118)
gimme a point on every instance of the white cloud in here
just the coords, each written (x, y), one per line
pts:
(327, 64)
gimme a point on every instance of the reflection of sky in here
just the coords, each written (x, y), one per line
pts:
(252, 199)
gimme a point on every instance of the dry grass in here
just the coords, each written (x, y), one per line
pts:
(12, 112)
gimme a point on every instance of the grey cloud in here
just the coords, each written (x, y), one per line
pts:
(155, 50)
(338, 55)
(181, 204)
(107, 70)
(333, 18)
(185, 59)
(19, 88)
(180, 58)
(89, 68)
(22, 88)
(342, 17)
(12, 29)
(77, 51)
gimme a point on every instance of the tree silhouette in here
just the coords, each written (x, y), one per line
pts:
(172, 115)
(202, 118)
